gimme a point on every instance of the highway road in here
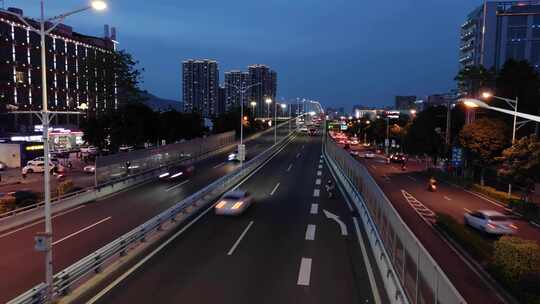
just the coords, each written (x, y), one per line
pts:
(82, 230)
(287, 248)
(408, 188)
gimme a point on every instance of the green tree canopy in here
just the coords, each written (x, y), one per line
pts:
(521, 162)
(424, 135)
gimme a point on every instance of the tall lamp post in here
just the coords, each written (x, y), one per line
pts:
(513, 103)
(475, 103)
(268, 102)
(242, 90)
(45, 120)
(253, 105)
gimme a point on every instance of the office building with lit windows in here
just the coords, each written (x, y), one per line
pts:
(501, 30)
(267, 88)
(235, 81)
(79, 72)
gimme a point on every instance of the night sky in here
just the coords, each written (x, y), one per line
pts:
(341, 52)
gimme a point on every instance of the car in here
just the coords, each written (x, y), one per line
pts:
(490, 222)
(41, 160)
(354, 153)
(36, 167)
(90, 169)
(233, 203)
(397, 157)
(177, 172)
(353, 141)
(126, 148)
(23, 198)
(3, 166)
(89, 150)
(369, 155)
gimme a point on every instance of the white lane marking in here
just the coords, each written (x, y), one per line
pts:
(81, 231)
(321, 156)
(318, 181)
(314, 209)
(467, 210)
(373, 166)
(484, 198)
(320, 167)
(173, 237)
(372, 282)
(289, 168)
(310, 232)
(305, 272)
(334, 217)
(447, 198)
(320, 161)
(298, 155)
(39, 222)
(274, 190)
(178, 185)
(231, 251)
(316, 193)
(411, 178)
(319, 173)
(219, 165)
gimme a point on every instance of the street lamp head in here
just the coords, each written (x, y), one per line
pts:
(268, 100)
(472, 103)
(413, 111)
(98, 5)
(253, 103)
(487, 95)
(283, 106)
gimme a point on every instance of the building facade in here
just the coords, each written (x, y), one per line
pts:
(267, 88)
(405, 102)
(221, 102)
(200, 83)
(501, 30)
(79, 72)
(234, 81)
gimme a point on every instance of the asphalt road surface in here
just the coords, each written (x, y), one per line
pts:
(79, 231)
(284, 249)
(404, 187)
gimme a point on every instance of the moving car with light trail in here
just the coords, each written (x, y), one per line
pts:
(233, 203)
(176, 172)
(490, 221)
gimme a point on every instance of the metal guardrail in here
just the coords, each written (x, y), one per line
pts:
(93, 263)
(409, 272)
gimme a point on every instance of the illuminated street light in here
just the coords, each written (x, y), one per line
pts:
(99, 5)
(413, 111)
(487, 95)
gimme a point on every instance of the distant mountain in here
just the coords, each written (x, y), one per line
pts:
(160, 104)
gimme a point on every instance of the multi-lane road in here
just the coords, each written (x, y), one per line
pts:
(79, 231)
(287, 248)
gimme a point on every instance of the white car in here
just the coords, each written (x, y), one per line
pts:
(490, 221)
(41, 160)
(233, 203)
(369, 155)
(90, 169)
(39, 167)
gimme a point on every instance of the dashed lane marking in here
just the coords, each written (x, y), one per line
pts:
(316, 193)
(310, 232)
(304, 273)
(314, 209)
(275, 189)
(318, 181)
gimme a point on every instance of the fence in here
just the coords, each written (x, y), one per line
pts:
(114, 166)
(410, 274)
(93, 263)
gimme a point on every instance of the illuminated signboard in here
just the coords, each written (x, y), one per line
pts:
(34, 148)
(392, 114)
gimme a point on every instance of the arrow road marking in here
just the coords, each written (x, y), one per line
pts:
(334, 217)
(274, 190)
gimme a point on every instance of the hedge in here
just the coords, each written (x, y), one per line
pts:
(470, 240)
(65, 187)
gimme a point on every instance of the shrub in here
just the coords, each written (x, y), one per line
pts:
(65, 187)
(516, 258)
(529, 210)
(7, 203)
(471, 241)
(493, 193)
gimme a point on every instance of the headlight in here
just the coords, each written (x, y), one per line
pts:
(221, 204)
(177, 174)
(164, 175)
(237, 205)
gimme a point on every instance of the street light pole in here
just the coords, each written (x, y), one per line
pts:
(45, 121)
(387, 142)
(275, 122)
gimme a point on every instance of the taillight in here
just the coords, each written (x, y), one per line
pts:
(513, 226)
(490, 225)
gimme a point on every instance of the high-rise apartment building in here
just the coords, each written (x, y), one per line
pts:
(221, 102)
(501, 30)
(79, 72)
(267, 78)
(235, 81)
(200, 86)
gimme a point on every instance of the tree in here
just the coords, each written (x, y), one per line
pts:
(521, 162)
(128, 77)
(424, 135)
(472, 79)
(483, 140)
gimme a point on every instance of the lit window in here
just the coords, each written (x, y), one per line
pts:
(19, 76)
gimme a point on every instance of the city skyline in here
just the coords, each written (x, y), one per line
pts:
(345, 69)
